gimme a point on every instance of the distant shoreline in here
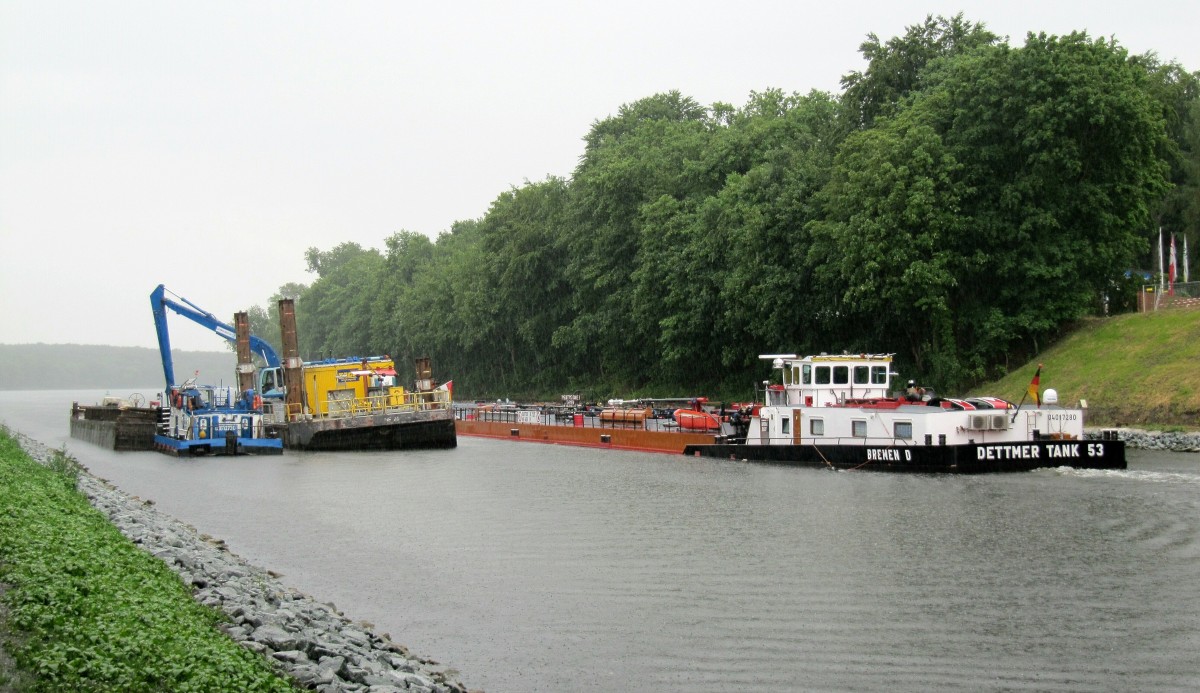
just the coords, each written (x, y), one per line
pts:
(86, 367)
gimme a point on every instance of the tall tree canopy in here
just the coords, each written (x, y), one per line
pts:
(1024, 177)
(896, 67)
(959, 202)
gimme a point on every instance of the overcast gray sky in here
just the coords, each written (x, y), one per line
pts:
(207, 145)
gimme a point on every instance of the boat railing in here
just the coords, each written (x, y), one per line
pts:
(395, 402)
(568, 417)
(881, 441)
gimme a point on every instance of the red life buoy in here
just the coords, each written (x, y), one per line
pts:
(258, 401)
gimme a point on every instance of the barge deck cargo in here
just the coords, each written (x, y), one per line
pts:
(635, 425)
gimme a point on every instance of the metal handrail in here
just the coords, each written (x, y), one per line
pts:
(410, 401)
(840, 440)
(510, 416)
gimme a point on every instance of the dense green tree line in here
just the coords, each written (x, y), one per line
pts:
(958, 203)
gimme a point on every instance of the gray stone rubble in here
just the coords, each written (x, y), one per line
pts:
(1152, 440)
(312, 642)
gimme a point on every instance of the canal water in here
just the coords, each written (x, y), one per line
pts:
(531, 567)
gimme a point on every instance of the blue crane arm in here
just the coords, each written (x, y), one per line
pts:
(159, 303)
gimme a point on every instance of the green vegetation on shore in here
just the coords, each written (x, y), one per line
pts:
(1133, 370)
(86, 610)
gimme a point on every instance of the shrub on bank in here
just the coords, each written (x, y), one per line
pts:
(89, 611)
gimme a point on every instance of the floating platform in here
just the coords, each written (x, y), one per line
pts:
(383, 430)
(115, 427)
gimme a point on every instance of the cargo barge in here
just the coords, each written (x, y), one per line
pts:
(356, 404)
(393, 420)
(116, 423)
(639, 425)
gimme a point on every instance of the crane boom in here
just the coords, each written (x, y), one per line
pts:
(159, 303)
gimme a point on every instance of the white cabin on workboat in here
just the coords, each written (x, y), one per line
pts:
(848, 400)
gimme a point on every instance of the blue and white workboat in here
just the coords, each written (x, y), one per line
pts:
(838, 411)
(206, 419)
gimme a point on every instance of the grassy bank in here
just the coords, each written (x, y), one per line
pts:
(1133, 370)
(86, 610)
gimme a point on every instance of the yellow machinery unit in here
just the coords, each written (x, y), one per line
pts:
(344, 387)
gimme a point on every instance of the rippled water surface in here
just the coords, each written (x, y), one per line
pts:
(531, 567)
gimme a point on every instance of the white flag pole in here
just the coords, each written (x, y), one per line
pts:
(1172, 269)
(1159, 292)
(1162, 277)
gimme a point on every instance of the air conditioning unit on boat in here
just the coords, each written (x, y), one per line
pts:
(999, 422)
(979, 422)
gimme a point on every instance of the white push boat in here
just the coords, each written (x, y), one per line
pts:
(838, 411)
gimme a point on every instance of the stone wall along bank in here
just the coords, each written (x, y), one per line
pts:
(311, 641)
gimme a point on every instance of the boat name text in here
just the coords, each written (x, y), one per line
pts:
(1034, 452)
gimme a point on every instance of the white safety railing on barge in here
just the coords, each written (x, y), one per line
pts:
(845, 441)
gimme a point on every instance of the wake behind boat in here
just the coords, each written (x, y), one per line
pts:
(837, 411)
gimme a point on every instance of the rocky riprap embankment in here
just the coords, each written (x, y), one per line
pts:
(1152, 440)
(311, 641)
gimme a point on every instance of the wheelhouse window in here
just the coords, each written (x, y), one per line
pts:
(858, 428)
(816, 427)
(841, 375)
(806, 374)
(822, 375)
(903, 430)
(879, 375)
(862, 375)
(787, 376)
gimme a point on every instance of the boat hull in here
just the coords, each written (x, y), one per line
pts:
(115, 435)
(609, 437)
(970, 458)
(116, 429)
(416, 430)
(218, 446)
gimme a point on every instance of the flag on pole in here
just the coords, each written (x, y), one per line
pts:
(447, 386)
(1171, 269)
(1031, 391)
(1033, 387)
